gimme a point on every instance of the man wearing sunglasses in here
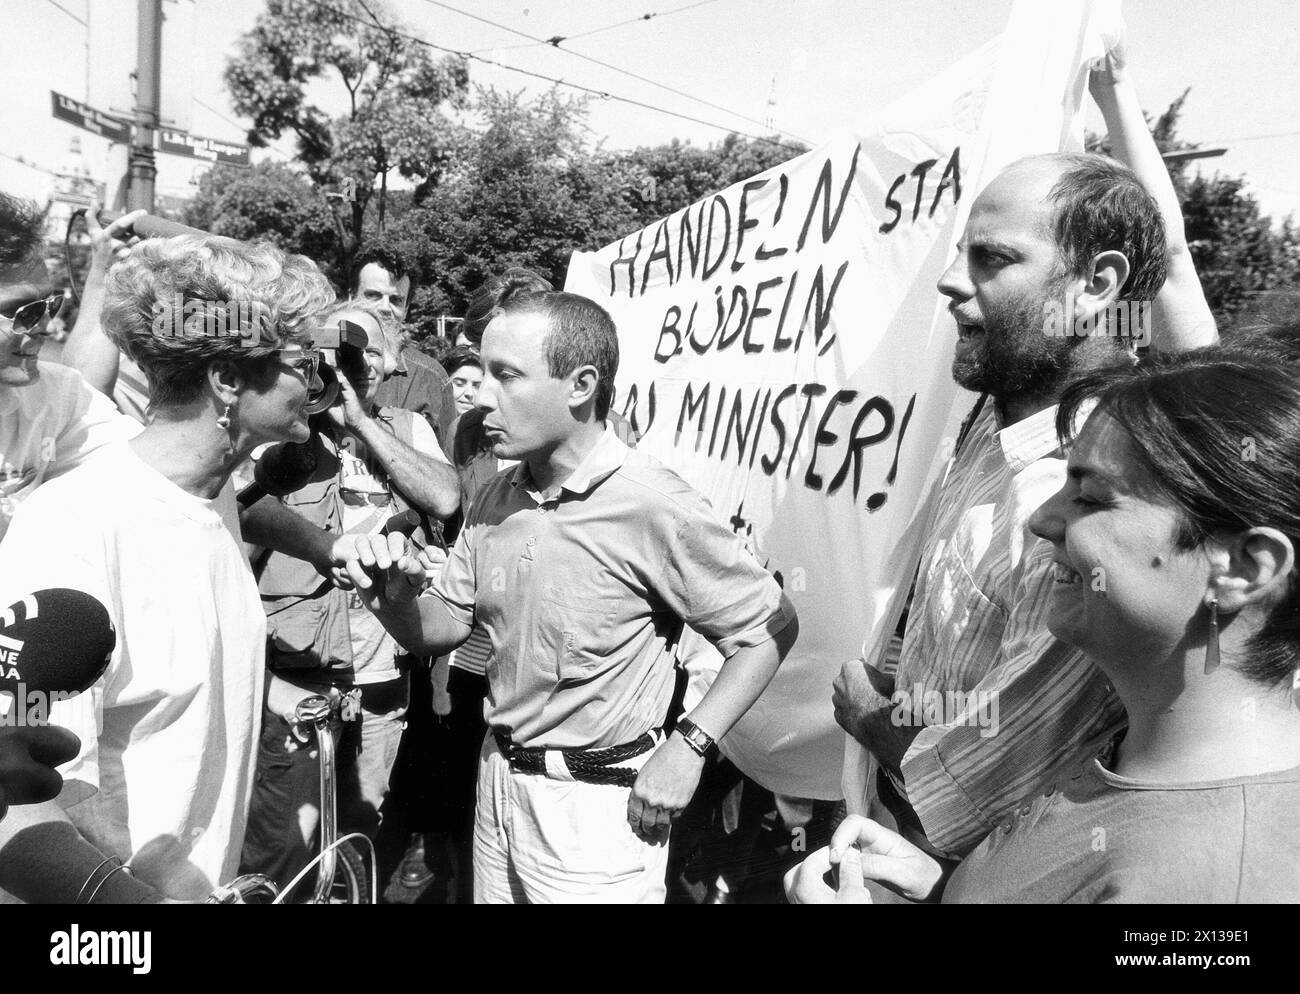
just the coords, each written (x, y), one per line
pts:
(50, 419)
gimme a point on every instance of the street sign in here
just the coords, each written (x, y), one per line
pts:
(87, 117)
(175, 142)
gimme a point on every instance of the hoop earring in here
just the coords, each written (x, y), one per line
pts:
(223, 420)
(1212, 644)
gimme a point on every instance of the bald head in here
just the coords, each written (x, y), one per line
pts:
(1096, 204)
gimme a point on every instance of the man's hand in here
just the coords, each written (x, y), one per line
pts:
(806, 883)
(663, 788)
(28, 757)
(1108, 72)
(111, 243)
(348, 413)
(857, 700)
(439, 674)
(384, 569)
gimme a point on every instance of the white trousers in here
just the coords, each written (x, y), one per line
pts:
(552, 840)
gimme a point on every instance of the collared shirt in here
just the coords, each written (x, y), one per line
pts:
(422, 387)
(583, 593)
(1004, 702)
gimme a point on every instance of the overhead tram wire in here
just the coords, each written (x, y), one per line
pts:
(229, 120)
(631, 20)
(604, 95)
(610, 66)
(556, 39)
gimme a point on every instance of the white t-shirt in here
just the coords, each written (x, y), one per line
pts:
(366, 506)
(47, 428)
(168, 734)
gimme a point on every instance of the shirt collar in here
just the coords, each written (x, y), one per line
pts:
(1028, 440)
(604, 459)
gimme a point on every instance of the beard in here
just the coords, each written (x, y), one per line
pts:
(1015, 357)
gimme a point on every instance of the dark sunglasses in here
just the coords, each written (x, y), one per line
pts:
(28, 316)
(305, 361)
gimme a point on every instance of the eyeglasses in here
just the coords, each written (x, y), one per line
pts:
(305, 361)
(29, 315)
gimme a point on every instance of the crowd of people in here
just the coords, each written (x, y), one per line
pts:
(479, 570)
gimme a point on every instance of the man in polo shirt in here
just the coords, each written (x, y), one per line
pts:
(582, 563)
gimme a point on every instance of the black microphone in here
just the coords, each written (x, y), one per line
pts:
(54, 641)
(283, 468)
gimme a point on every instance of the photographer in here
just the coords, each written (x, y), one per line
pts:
(371, 463)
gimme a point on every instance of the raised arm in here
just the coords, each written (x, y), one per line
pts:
(1182, 317)
(88, 350)
(429, 483)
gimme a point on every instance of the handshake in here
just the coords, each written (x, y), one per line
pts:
(386, 570)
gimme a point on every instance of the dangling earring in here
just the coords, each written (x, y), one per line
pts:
(1212, 644)
(224, 418)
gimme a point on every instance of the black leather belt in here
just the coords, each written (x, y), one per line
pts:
(586, 765)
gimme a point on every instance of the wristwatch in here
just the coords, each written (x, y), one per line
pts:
(700, 741)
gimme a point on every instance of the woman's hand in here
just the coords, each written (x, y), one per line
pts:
(865, 850)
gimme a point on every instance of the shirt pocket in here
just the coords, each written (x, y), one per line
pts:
(967, 630)
(582, 629)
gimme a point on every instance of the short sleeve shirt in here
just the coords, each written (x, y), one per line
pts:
(168, 732)
(48, 427)
(583, 594)
(1096, 837)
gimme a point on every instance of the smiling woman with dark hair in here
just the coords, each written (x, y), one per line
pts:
(1175, 539)
(162, 781)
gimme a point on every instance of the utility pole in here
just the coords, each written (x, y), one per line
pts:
(147, 86)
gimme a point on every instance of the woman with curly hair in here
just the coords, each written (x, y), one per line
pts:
(155, 803)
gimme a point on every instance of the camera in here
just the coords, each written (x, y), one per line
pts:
(343, 347)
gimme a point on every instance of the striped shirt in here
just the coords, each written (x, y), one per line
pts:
(1004, 702)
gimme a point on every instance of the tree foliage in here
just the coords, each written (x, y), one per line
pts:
(267, 201)
(397, 98)
(1241, 254)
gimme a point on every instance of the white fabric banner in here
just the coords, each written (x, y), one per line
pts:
(783, 347)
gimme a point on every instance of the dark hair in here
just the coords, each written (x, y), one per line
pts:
(486, 302)
(461, 355)
(1219, 431)
(21, 229)
(1272, 331)
(1101, 206)
(387, 258)
(580, 333)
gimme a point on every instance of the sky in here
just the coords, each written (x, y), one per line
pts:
(808, 66)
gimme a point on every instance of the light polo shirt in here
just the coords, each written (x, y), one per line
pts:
(583, 594)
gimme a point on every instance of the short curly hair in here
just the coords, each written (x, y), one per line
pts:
(155, 294)
(22, 229)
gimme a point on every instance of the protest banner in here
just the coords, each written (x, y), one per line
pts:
(783, 348)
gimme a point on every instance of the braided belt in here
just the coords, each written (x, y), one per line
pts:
(586, 765)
